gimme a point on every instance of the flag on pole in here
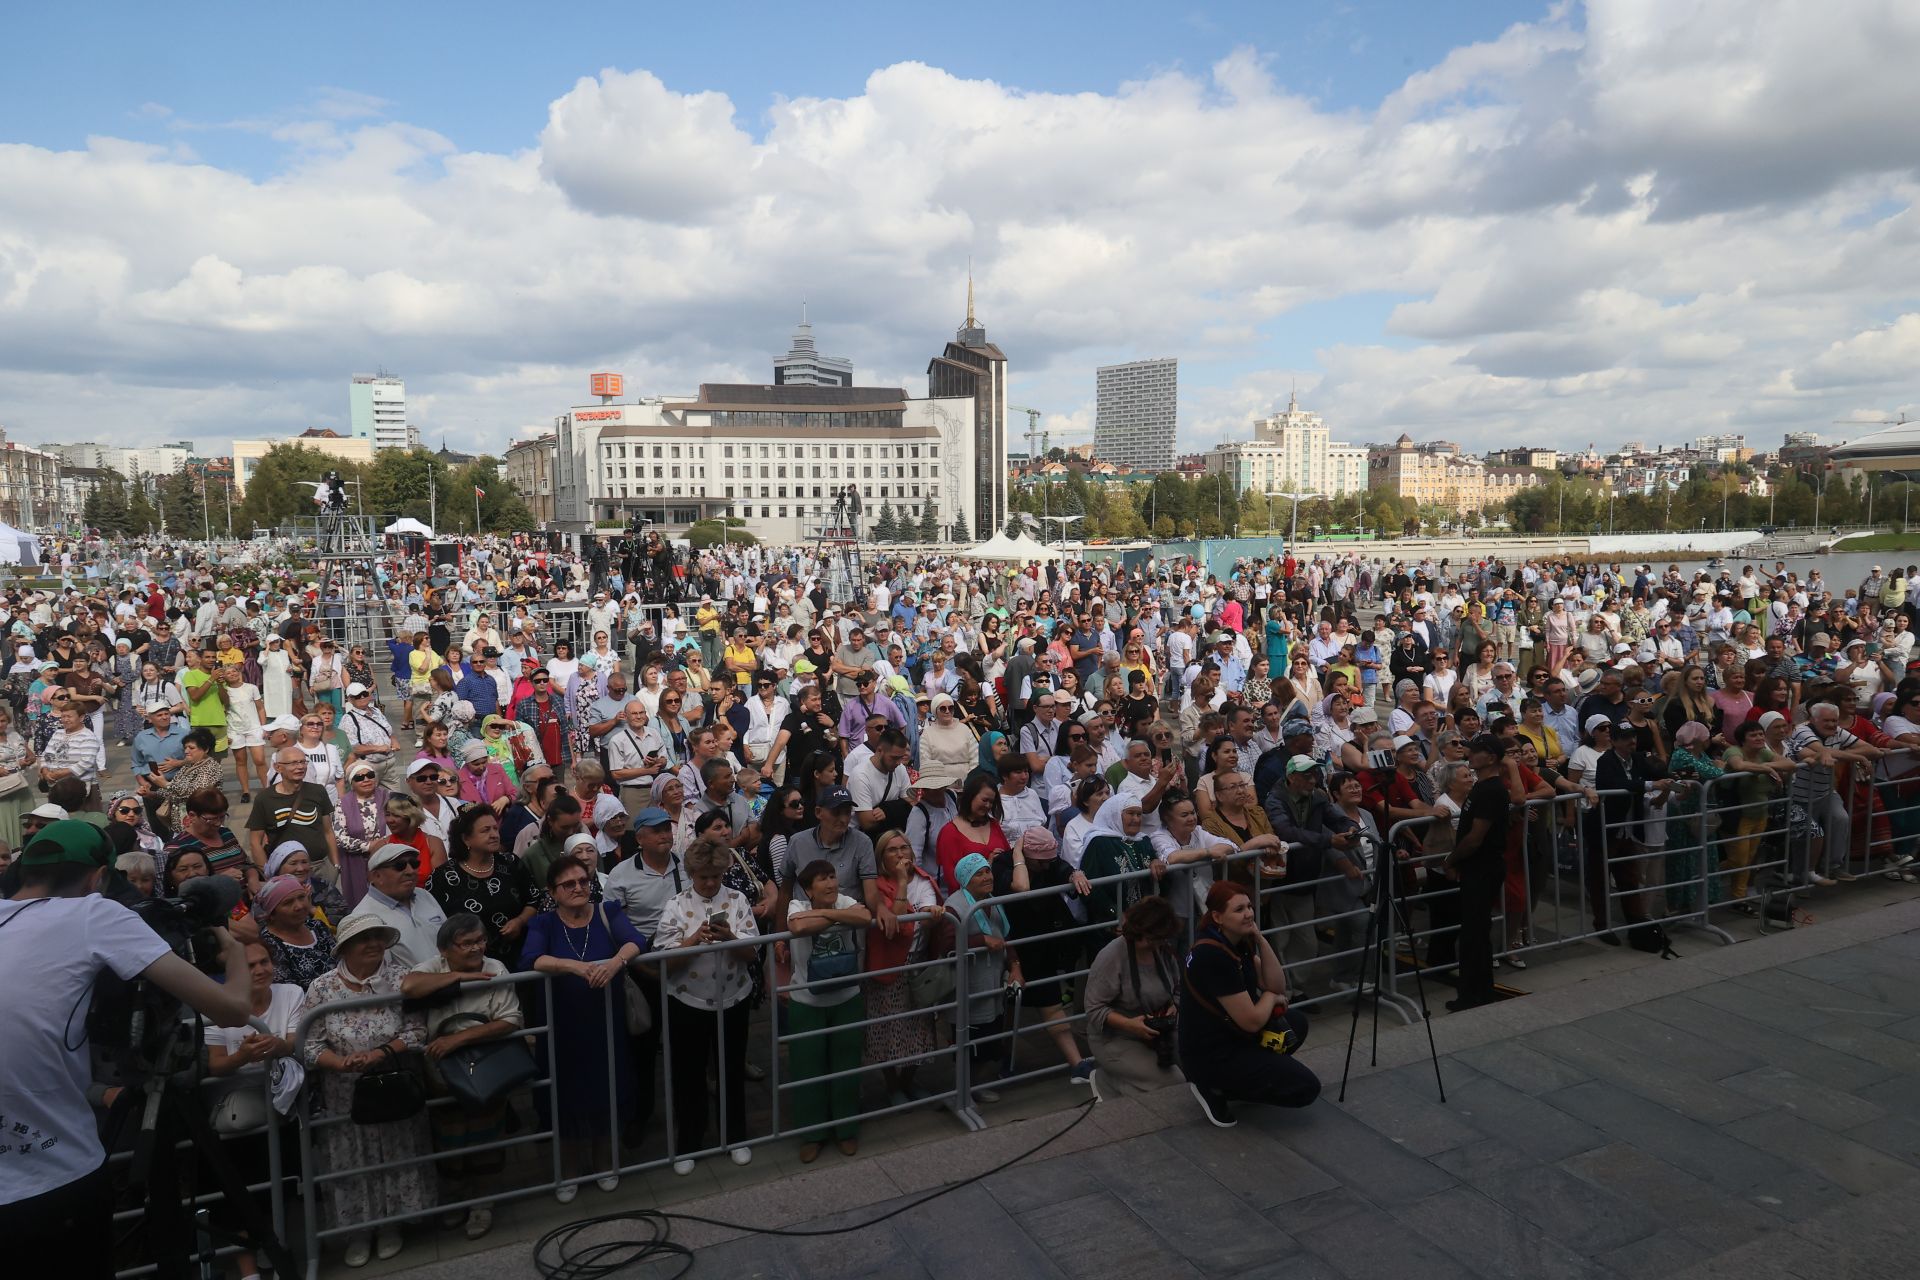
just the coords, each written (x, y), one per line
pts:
(478, 492)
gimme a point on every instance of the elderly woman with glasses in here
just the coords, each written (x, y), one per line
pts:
(584, 947)
(465, 1007)
(343, 1046)
(359, 827)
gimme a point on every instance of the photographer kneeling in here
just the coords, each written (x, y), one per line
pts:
(56, 936)
(1237, 1036)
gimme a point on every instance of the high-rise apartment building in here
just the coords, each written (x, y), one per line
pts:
(804, 366)
(377, 408)
(1136, 411)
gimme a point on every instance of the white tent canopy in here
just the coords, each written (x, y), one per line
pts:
(18, 546)
(407, 524)
(998, 547)
(1028, 549)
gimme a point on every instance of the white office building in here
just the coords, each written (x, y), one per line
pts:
(774, 457)
(377, 408)
(1136, 413)
(1290, 453)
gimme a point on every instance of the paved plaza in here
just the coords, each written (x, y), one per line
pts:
(1745, 1111)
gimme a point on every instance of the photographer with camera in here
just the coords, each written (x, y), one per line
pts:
(1131, 996)
(57, 935)
(1237, 1035)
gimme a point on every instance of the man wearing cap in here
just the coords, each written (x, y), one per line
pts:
(426, 782)
(865, 704)
(370, 736)
(1298, 809)
(1296, 739)
(837, 840)
(394, 897)
(1233, 672)
(158, 747)
(58, 936)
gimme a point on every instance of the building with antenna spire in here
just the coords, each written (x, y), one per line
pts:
(972, 366)
(804, 366)
(1290, 453)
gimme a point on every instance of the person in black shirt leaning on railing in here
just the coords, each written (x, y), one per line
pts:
(1478, 862)
(1237, 1035)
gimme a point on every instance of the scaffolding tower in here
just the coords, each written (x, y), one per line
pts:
(351, 607)
(836, 549)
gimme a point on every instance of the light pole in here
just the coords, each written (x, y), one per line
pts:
(228, 485)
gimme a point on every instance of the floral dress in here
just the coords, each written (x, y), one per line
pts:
(408, 1189)
(124, 670)
(297, 964)
(583, 700)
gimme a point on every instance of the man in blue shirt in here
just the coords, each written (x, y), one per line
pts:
(159, 743)
(477, 685)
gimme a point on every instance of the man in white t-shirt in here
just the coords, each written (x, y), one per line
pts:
(57, 935)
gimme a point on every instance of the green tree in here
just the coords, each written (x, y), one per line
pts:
(501, 508)
(180, 497)
(887, 527)
(279, 489)
(106, 506)
(929, 530)
(959, 532)
(702, 534)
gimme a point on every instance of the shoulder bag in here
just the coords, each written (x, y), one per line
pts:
(388, 1092)
(479, 1075)
(639, 1010)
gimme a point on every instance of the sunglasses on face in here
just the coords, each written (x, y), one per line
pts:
(571, 885)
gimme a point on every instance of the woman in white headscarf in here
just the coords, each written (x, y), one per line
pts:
(1117, 846)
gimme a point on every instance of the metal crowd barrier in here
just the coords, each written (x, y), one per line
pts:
(1726, 842)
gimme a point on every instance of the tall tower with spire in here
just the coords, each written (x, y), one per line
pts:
(804, 366)
(972, 366)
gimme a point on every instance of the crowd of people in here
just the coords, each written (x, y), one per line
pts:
(1153, 805)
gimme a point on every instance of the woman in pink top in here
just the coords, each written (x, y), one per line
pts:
(1732, 701)
(482, 780)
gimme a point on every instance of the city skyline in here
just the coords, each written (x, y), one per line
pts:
(1483, 223)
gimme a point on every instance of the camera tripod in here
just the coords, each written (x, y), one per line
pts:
(172, 1110)
(1385, 923)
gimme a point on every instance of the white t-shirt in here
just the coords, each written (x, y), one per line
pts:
(51, 949)
(836, 939)
(283, 1010)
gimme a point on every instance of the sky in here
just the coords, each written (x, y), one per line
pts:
(1496, 223)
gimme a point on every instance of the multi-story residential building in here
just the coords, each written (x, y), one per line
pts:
(1136, 413)
(151, 460)
(1290, 453)
(1439, 475)
(1525, 456)
(377, 409)
(30, 496)
(530, 471)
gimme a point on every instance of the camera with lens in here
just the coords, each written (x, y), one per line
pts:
(186, 923)
(136, 1022)
(1162, 1025)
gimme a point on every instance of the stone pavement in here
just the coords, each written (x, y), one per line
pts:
(1746, 1111)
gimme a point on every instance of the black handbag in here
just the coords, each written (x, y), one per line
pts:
(479, 1075)
(389, 1092)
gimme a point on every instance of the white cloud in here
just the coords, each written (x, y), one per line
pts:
(1631, 220)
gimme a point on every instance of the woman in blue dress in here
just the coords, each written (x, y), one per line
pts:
(585, 947)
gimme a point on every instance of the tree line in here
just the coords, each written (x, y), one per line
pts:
(398, 482)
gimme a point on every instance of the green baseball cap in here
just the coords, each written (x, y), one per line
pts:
(68, 840)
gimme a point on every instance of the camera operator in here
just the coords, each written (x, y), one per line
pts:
(57, 934)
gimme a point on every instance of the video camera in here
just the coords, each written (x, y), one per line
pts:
(135, 1021)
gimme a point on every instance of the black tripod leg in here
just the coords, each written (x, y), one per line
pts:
(1371, 951)
(258, 1229)
(1419, 986)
